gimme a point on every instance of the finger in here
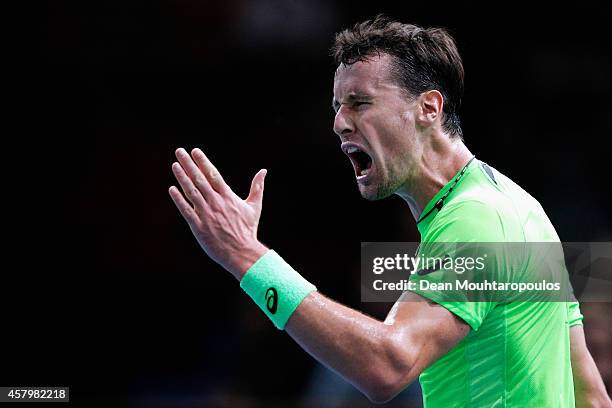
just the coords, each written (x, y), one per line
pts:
(183, 206)
(257, 187)
(194, 173)
(189, 189)
(210, 171)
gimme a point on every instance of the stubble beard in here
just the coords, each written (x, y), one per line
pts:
(382, 189)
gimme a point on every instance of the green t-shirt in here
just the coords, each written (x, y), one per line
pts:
(517, 353)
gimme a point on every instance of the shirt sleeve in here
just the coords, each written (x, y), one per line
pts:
(456, 232)
(574, 315)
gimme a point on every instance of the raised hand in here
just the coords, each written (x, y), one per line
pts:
(224, 224)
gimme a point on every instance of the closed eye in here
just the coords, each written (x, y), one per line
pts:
(358, 104)
(355, 104)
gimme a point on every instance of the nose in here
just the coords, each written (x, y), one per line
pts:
(342, 123)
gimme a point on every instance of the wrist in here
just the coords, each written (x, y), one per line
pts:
(275, 287)
(248, 255)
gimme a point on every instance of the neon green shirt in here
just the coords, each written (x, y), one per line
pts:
(517, 353)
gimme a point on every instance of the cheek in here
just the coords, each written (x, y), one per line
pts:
(388, 135)
(382, 126)
(398, 134)
(397, 145)
(406, 122)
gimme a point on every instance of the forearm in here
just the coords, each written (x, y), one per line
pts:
(363, 350)
(590, 391)
(379, 358)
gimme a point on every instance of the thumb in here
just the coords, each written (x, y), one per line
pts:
(257, 188)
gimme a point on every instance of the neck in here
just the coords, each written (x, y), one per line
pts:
(437, 166)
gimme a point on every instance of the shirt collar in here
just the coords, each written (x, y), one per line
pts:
(423, 225)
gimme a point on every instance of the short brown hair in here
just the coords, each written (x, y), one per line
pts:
(424, 59)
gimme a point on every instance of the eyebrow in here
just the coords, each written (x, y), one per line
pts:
(352, 97)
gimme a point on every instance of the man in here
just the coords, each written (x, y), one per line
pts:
(397, 89)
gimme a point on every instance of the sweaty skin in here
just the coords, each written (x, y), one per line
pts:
(412, 157)
(379, 358)
(404, 137)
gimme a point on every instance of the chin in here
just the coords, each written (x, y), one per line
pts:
(368, 195)
(374, 192)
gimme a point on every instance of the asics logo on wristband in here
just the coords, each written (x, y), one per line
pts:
(271, 300)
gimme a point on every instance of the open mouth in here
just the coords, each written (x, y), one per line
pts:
(362, 162)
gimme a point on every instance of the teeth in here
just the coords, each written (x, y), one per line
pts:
(352, 149)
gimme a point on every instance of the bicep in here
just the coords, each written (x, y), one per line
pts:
(425, 331)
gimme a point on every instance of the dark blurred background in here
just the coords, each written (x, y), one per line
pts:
(109, 293)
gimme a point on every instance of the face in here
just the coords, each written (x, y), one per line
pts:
(375, 121)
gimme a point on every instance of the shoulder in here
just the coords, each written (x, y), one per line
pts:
(471, 219)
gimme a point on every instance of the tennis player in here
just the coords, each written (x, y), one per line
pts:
(397, 90)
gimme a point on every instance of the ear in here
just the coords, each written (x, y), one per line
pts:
(431, 104)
